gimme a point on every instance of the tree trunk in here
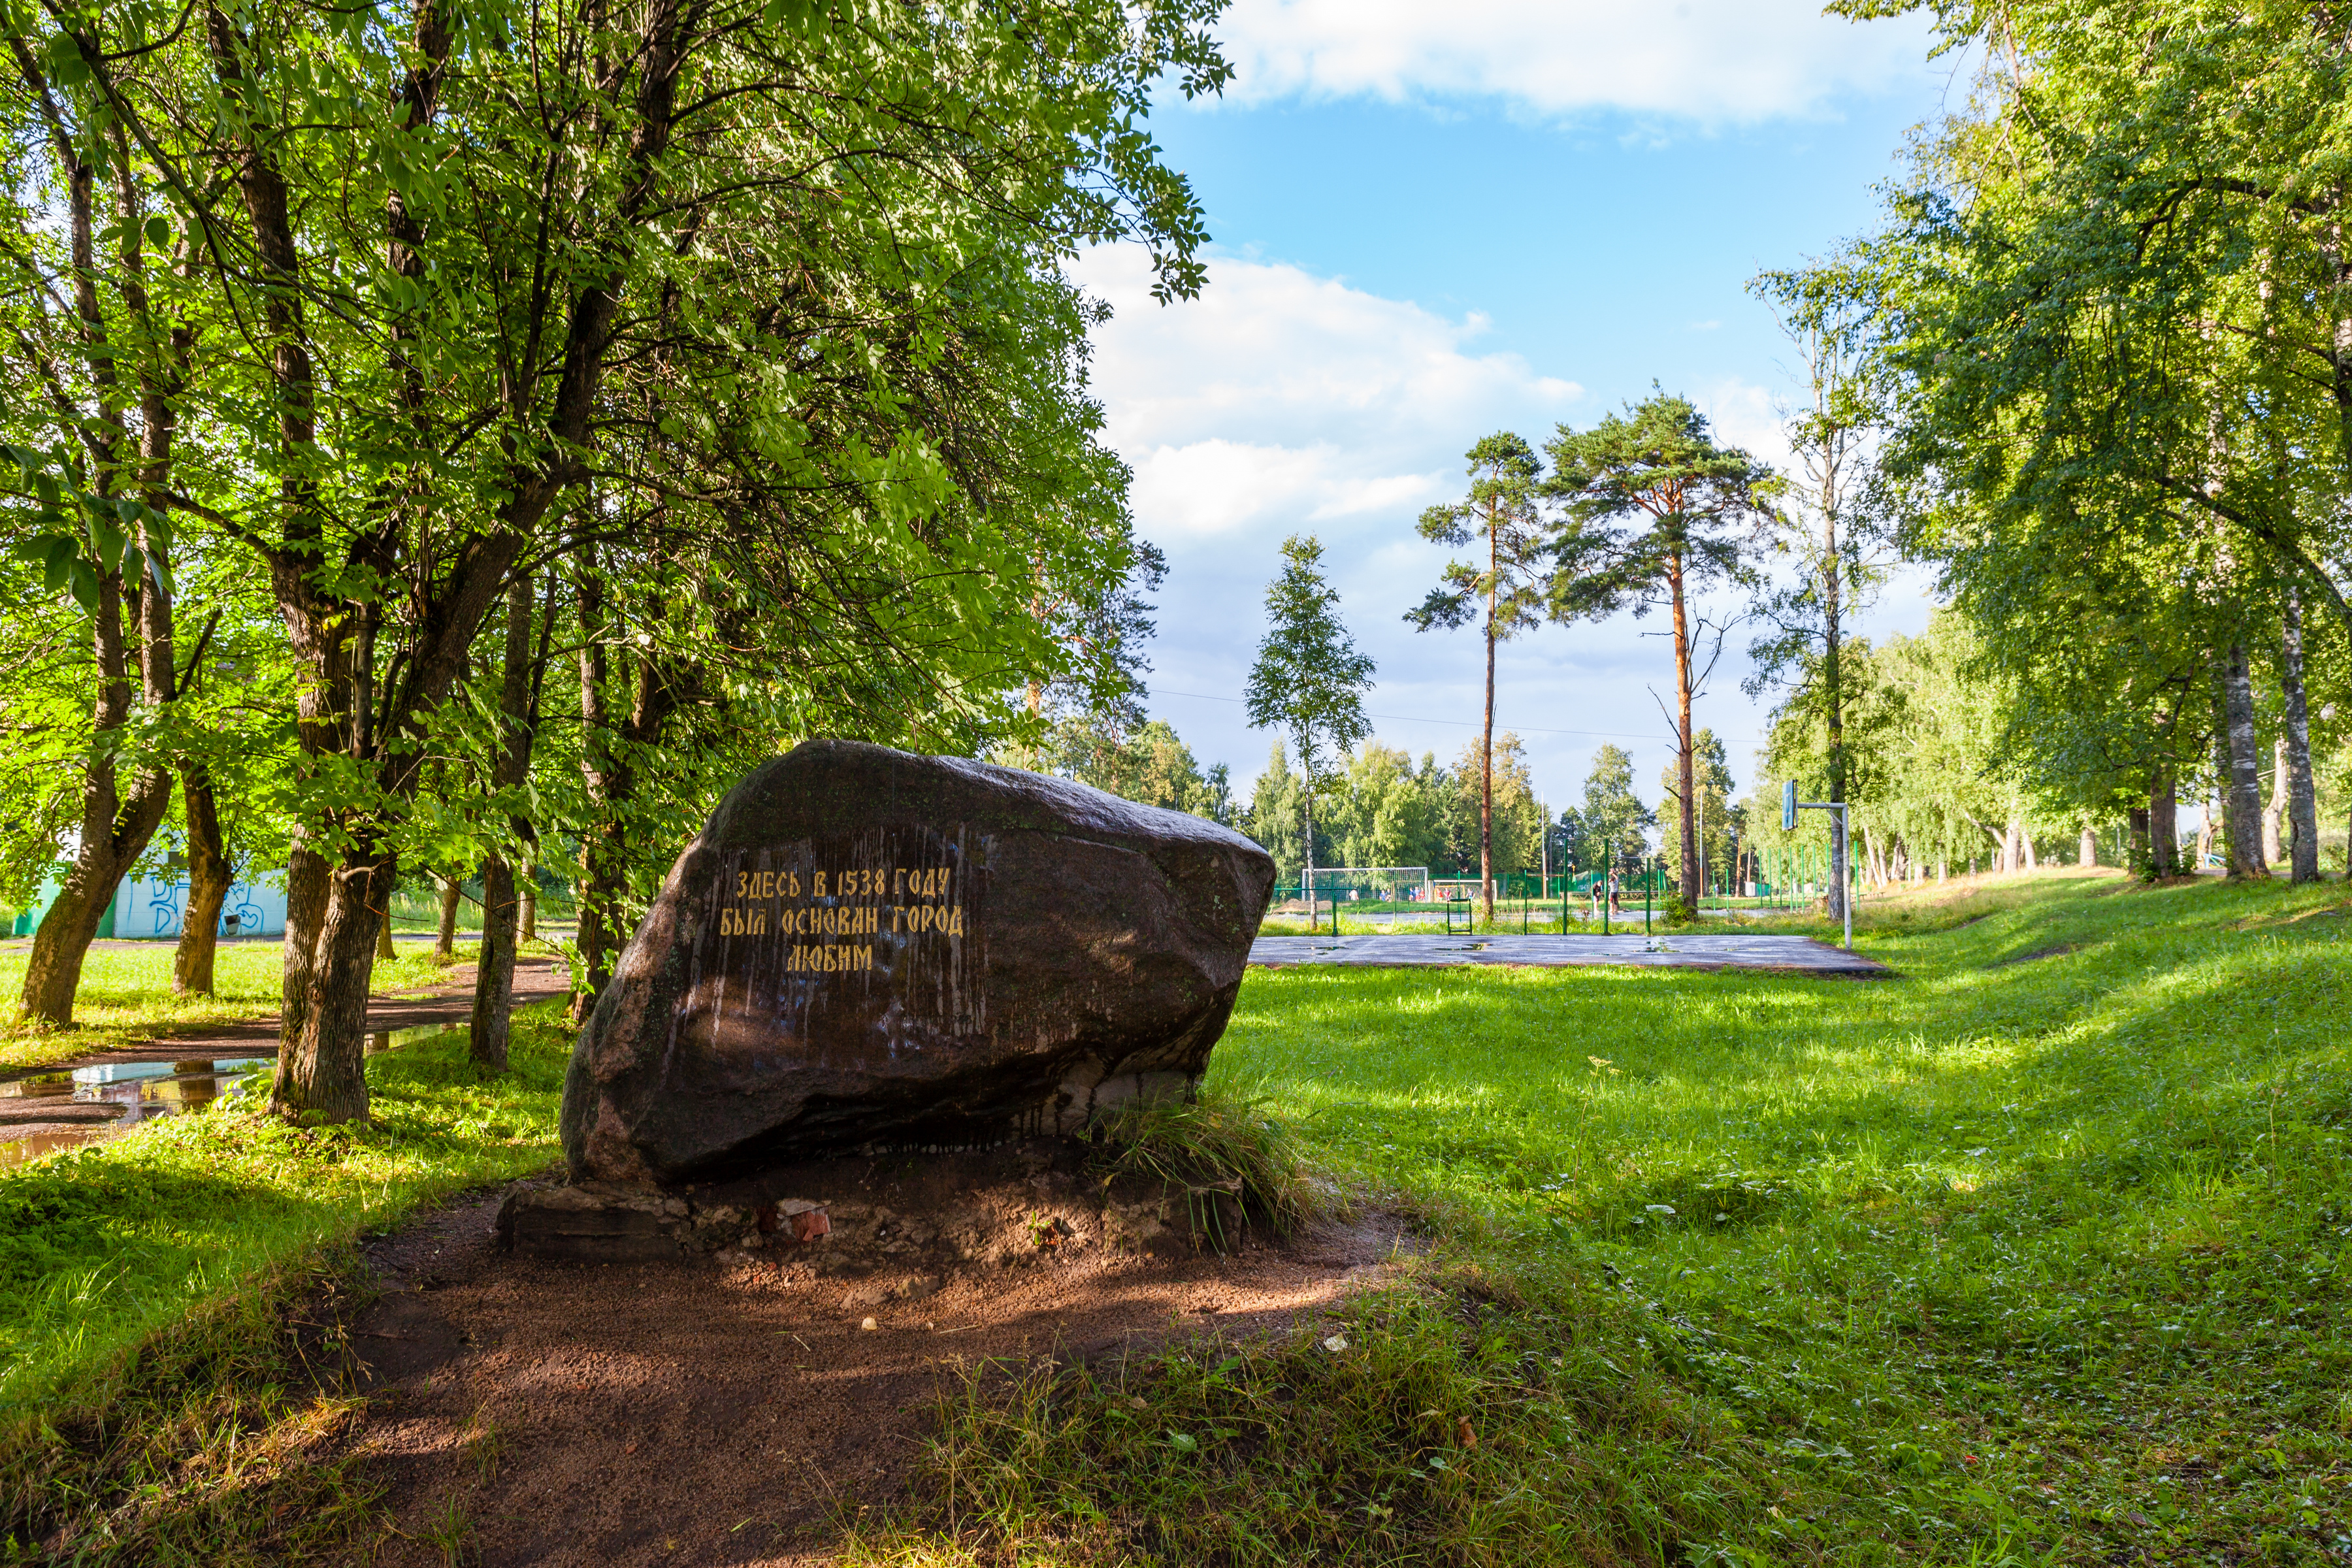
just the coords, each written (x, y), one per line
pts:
(1687, 770)
(494, 973)
(530, 897)
(321, 1063)
(2274, 808)
(1487, 743)
(2025, 845)
(2244, 805)
(445, 943)
(2140, 850)
(384, 948)
(115, 827)
(2303, 807)
(603, 775)
(209, 878)
(2087, 852)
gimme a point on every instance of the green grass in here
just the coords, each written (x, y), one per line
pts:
(145, 1286)
(2038, 1254)
(126, 996)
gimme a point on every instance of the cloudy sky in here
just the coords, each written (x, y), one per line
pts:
(1432, 223)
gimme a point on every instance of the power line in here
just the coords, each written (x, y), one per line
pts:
(1472, 724)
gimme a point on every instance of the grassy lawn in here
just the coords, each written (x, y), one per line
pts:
(145, 1286)
(126, 994)
(2036, 1254)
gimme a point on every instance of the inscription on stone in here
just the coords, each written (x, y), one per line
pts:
(848, 948)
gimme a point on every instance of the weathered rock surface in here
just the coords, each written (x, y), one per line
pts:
(869, 949)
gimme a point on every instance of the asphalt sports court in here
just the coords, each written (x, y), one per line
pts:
(1786, 955)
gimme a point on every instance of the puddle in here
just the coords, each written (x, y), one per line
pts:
(132, 1093)
(393, 1040)
(128, 1093)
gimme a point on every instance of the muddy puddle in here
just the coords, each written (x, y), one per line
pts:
(71, 1108)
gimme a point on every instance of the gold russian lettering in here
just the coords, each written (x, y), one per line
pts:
(865, 958)
(955, 921)
(741, 877)
(817, 891)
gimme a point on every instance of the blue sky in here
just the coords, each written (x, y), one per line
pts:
(1432, 223)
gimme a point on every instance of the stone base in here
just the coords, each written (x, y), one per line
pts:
(1003, 1208)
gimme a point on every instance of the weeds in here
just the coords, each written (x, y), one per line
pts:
(1219, 1146)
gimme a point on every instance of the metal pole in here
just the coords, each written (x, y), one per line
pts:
(1845, 878)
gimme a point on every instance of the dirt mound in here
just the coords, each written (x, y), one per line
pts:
(730, 1407)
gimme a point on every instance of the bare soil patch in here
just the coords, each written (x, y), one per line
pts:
(731, 1408)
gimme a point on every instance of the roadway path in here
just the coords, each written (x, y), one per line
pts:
(1787, 955)
(448, 1001)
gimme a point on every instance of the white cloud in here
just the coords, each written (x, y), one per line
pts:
(1709, 60)
(1279, 394)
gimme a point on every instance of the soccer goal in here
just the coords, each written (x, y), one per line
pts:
(1371, 884)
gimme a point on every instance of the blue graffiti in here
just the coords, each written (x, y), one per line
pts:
(163, 906)
(245, 916)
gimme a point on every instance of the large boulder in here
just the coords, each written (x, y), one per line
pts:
(869, 949)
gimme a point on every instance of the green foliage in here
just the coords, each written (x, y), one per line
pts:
(1309, 679)
(1613, 824)
(1503, 511)
(1652, 508)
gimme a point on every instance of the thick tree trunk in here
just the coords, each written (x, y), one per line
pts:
(209, 878)
(2303, 806)
(115, 826)
(384, 948)
(1685, 764)
(494, 974)
(2139, 851)
(2243, 808)
(529, 902)
(321, 1062)
(444, 940)
(2086, 850)
(601, 845)
(115, 823)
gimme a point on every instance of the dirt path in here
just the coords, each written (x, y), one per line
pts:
(448, 1001)
(732, 1410)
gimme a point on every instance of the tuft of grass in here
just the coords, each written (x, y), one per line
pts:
(449, 1530)
(1222, 1142)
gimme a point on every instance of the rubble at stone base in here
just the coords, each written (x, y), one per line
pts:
(918, 1214)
